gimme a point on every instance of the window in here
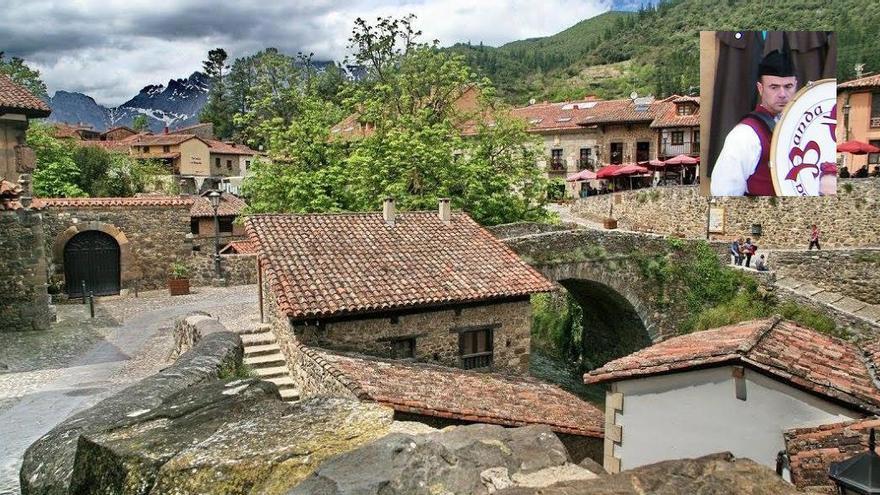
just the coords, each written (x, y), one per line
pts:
(226, 224)
(684, 109)
(643, 151)
(247, 164)
(194, 225)
(586, 157)
(229, 164)
(146, 149)
(166, 149)
(874, 158)
(217, 162)
(616, 153)
(403, 348)
(556, 161)
(677, 137)
(475, 348)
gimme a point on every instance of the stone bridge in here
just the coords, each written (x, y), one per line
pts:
(601, 270)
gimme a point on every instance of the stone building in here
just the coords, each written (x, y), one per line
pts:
(24, 300)
(202, 221)
(115, 243)
(419, 285)
(17, 105)
(858, 101)
(735, 388)
(678, 122)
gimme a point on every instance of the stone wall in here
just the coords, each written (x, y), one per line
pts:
(237, 269)
(848, 219)
(851, 272)
(151, 238)
(519, 229)
(436, 334)
(24, 302)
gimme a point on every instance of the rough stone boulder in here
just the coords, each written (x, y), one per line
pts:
(716, 474)
(48, 463)
(474, 459)
(223, 438)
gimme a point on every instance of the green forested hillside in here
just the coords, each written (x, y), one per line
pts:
(661, 46)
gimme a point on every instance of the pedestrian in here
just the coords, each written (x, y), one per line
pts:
(735, 252)
(749, 250)
(814, 238)
(761, 264)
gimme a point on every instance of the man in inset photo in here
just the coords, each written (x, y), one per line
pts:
(770, 113)
(743, 166)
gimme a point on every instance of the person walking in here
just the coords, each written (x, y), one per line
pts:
(814, 238)
(734, 252)
(749, 250)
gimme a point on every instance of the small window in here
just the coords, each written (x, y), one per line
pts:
(475, 348)
(166, 149)
(226, 224)
(685, 109)
(677, 137)
(247, 164)
(217, 162)
(403, 348)
(146, 149)
(229, 164)
(194, 225)
(874, 158)
(696, 137)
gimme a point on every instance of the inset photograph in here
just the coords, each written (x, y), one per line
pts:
(769, 101)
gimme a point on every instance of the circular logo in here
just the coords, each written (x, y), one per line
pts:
(804, 139)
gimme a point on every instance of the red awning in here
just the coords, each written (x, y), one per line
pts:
(582, 175)
(682, 160)
(857, 148)
(609, 171)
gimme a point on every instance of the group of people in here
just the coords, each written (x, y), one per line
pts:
(588, 190)
(861, 173)
(742, 252)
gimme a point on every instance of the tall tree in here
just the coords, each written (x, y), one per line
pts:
(217, 110)
(140, 123)
(23, 75)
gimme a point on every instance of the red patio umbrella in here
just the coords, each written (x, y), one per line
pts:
(582, 175)
(656, 162)
(608, 171)
(683, 160)
(857, 148)
(630, 169)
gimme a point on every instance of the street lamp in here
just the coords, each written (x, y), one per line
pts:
(214, 197)
(859, 474)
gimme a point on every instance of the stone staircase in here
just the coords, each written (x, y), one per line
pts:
(263, 355)
(868, 313)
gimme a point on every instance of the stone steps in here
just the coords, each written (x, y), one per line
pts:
(868, 312)
(263, 355)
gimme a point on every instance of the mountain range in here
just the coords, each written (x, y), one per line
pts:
(174, 105)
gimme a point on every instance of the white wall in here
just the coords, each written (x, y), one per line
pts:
(694, 413)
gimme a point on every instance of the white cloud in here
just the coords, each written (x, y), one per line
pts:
(110, 49)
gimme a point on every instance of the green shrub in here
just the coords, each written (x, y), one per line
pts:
(179, 270)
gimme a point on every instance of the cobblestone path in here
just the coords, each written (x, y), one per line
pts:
(45, 377)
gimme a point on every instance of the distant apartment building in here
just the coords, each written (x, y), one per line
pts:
(859, 103)
(17, 106)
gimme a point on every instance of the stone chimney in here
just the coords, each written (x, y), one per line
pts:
(445, 212)
(388, 211)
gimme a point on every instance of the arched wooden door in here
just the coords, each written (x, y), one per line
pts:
(91, 256)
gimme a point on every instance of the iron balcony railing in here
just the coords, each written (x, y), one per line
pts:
(554, 163)
(680, 149)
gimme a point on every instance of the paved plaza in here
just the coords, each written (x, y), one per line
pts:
(47, 376)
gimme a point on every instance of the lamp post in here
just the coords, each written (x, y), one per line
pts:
(846, 109)
(214, 197)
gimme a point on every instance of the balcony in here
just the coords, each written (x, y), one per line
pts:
(670, 150)
(475, 361)
(586, 163)
(875, 122)
(555, 164)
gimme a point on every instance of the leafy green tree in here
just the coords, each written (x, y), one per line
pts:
(140, 123)
(23, 75)
(56, 174)
(217, 110)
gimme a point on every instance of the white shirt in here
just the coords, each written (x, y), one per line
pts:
(737, 162)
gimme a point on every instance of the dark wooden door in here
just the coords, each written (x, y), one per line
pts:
(93, 257)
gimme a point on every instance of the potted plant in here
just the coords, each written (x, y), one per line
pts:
(610, 222)
(178, 282)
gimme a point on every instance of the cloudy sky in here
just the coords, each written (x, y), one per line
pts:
(110, 49)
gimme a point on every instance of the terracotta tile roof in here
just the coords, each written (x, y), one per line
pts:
(17, 98)
(793, 354)
(119, 128)
(351, 128)
(116, 202)
(230, 205)
(813, 450)
(324, 265)
(240, 247)
(667, 113)
(864, 82)
(229, 149)
(557, 116)
(464, 395)
(161, 139)
(622, 111)
(117, 145)
(62, 130)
